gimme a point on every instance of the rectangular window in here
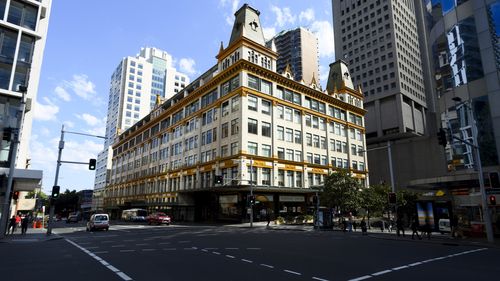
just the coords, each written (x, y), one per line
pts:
(289, 135)
(252, 148)
(266, 129)
(281, 133)
(288, 114)
(225, 130)
(297, 117)
(234, 148)
(252, 126)
(266, 176)
(298, 155)
(253, 82)
(266, 150)
(308, 139)
(235, 126)
(289, 178)
(281, 177)
(252, 103)
(266, 107)
(235, 104)
(289, 154)
(309, 157)
(281, 153)
(224, 151)
(298, 179)
(298, 136)
(280, 111)
(266, 87)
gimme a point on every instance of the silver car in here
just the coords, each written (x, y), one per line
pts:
(98, 221)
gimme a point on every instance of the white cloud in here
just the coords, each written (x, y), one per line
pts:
(307, 15)
(323, 74)
(269, 32)
(45, 112)
(89, 119)
(69, 124)
(324, 32)
(234, 6)
(186, 65)
(283, 16)
(62, 93)
(82, 86)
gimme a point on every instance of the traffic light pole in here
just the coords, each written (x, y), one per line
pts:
(61, 147)
(475, 146)
(14, 138)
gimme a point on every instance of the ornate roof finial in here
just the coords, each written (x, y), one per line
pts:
(158, 100)
(221, 47)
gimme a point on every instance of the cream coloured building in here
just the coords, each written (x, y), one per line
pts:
(259, 129)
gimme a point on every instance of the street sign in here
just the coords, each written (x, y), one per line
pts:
(492, 191)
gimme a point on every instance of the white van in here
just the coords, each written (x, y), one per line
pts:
(444, 225)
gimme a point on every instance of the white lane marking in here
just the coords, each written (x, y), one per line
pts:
(231, 248)
(399, 267)
(211, 248)
(361, 278)
(204, 250)
(266, 265)
(169, 249)
(95, 247)
(245, 260)
(253, 248)
(189, 248)
(319, 279)
(93, 255)
(217, 253)
(126, 251)
(101, 252)
(229, 256)
(381, 272)
(292, 272)
(417, 263)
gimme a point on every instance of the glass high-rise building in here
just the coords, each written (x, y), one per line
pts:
(23, 32)
(137, 85)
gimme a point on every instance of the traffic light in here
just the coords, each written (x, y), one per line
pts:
(392, 198)
(251, 200)
(55, 191)
(441, 135)
(218, 179)
(15, 195)
(494, 180)
(493, 200)
(92, 163)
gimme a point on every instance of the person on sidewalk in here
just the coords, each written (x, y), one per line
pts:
(414, 228)
(399, 226)
(12, 225)
(363, 227)
(268, 217)
(24, 225)
(427, 229)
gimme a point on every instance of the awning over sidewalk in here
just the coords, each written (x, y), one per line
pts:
(24, 179)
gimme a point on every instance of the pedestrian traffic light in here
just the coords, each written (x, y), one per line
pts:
(441, 135)
(15, 195)
(493, 200)
(392, 198)
(218, 179)
(494, 180)
(92, 164)
(251, 200)
(55, 191)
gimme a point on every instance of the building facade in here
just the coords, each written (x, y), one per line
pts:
(298, 50)
(136, 85)
(385, 44)
(463, 39)
(23, 31)
(262, 131)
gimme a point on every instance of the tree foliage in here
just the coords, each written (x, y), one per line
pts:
(374, 199)
(341, 191)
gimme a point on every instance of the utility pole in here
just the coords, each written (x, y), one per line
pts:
(52, 207)
(14, 139)
(251, 192)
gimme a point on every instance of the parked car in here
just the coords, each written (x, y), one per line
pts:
(72, 218)
(98, 221)
(158, 218)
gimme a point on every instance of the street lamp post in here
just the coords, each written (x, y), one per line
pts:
(251, 192)
(475, 146)
(14, 138)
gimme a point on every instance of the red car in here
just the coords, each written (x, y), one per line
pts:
(158, 218)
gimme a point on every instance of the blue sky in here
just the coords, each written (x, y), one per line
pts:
(88, 38)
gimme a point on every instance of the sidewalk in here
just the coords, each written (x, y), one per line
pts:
(32, 235)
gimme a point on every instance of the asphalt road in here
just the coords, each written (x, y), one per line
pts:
(178, 253)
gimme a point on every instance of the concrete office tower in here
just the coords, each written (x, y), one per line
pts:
(464, 39)
(135, 86)
(382, 42)
(257, 128)
(299, 49)
(23, 31)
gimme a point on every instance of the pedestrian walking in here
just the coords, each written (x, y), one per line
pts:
(414, 228)
(400, 227)
(354, 225)
(454, 225)
(391, 223)
(350, 222)
(268, 217)
(12, 225)
(427, 229)
(363, 227)
(24, 225)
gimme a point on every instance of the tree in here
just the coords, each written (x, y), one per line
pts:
(341, 191)
(406, 203)
(374, 199)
